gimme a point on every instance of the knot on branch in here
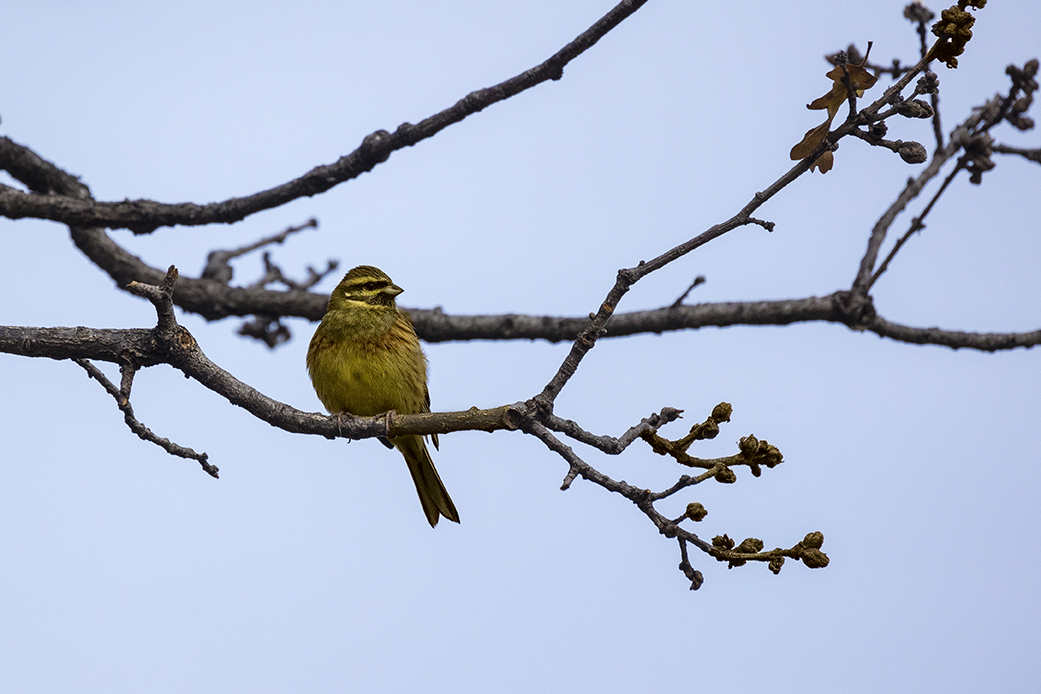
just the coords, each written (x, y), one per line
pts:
(855, 309)
(407, 132)
(539, 408)
(554, 67)
(628, 276)
(375, 147)
(516, 414)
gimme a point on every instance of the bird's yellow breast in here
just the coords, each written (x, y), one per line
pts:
(369, 376)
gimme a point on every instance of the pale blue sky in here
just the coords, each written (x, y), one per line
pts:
(309, 567)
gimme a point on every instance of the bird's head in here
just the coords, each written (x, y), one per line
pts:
(364, 287)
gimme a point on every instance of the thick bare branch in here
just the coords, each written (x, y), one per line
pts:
(52, 200)
(142, 347)
(214, 299)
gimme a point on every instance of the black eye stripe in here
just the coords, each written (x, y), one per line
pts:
(370, 286)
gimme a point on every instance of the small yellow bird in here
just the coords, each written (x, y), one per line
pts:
(365, 359)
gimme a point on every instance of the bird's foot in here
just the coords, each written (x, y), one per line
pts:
(339, 417)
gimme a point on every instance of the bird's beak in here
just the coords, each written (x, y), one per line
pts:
(393, 290)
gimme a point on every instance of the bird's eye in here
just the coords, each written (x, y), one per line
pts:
(371, 286)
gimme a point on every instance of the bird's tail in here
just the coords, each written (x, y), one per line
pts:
(432, 493)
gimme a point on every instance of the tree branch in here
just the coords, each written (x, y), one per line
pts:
(51, 199)
(139, 347)
(911, 190)
(58, 196)
(122, 398)
(214, 299)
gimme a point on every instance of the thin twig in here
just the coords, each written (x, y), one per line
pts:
(700, 279)
(136, 426)
(911, 191)
(917, 224)
(696, 578)
(682, 483)
(1033, 155)
(218, 263)
(609, 444)
(921, 16)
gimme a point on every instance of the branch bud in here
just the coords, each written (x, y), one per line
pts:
(722, 412)
(750, 545)
(912, 152)
(748, 445)
(814, 540)
(915, 108)
(725, 475)
(696, 511)
(815, 559)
